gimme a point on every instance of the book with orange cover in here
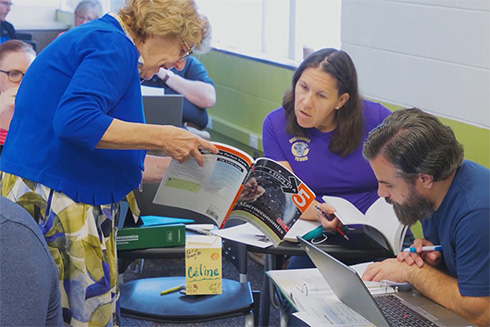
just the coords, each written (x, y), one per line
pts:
(231, 184)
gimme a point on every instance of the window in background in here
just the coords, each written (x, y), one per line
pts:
(279, 30)
(107, 5)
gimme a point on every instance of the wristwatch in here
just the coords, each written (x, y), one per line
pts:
(165, 79)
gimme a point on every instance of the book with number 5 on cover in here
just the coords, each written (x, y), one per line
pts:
(231, 184)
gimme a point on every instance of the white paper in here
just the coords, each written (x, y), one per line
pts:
(246, 233)
(207, 227)
(329, 311)
(209, 190)
(300, 228)
(199, 240)
(148, 90)
(317, 304)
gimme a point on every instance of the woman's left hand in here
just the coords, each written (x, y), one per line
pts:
(325, 215)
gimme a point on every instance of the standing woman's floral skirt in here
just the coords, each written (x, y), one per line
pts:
(81, 241)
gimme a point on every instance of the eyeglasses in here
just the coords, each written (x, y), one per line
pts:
(187, 54)
(6, 3)
(14, 76)
(84, 19)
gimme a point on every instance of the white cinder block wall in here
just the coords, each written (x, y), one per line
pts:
(32, 13)
(430, 54)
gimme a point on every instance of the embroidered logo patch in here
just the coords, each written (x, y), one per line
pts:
(300, 148)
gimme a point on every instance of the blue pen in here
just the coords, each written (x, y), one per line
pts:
(424, 248)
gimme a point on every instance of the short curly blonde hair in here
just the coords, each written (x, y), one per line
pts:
(167, 18)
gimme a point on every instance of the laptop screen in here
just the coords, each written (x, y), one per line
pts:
(163, 109)
(346, 284)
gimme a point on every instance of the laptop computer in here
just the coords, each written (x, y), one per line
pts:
(351, 290)
(163, 109)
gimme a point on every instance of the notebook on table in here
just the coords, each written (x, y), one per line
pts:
(163, 109)
(392, 309)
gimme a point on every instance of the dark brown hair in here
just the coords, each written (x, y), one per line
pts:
(337, 63)
(415, 142)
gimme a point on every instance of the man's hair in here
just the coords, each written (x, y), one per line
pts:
(15, 46)
(86, 5)
(350, 121)
(415, 142)
(166, 18)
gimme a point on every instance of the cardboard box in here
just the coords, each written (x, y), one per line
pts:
(203, 265)
(131, 238)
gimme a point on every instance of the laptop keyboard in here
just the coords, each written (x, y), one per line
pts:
(398, 314)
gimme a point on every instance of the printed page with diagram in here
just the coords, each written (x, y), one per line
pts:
(278, 201)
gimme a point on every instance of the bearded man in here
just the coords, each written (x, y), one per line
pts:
(421, 170)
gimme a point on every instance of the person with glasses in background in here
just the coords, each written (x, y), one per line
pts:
(86, 11)
(7, 30)
(15, 57)
(78, 140)
(195, 85)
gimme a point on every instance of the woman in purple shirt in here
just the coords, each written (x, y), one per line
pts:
(319, 130)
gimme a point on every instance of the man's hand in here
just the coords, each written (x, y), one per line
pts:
(433, 258)
(391, 269)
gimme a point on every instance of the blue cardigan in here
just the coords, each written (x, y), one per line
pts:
(66, 101)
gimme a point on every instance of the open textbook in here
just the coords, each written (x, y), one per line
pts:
(231, 184)
(379, 222)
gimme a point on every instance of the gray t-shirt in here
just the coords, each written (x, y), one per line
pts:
(29, 286)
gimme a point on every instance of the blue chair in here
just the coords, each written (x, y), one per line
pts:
(141, 299)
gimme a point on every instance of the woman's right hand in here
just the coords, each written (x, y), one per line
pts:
(332, 222)
(176, 142)
(182, 144)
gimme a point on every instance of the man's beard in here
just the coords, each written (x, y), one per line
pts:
(415, 208)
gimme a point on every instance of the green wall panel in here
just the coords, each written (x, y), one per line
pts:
(252, 77)
(241, 108)
(476, 140)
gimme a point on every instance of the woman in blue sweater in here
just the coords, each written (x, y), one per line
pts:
(78, 139)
